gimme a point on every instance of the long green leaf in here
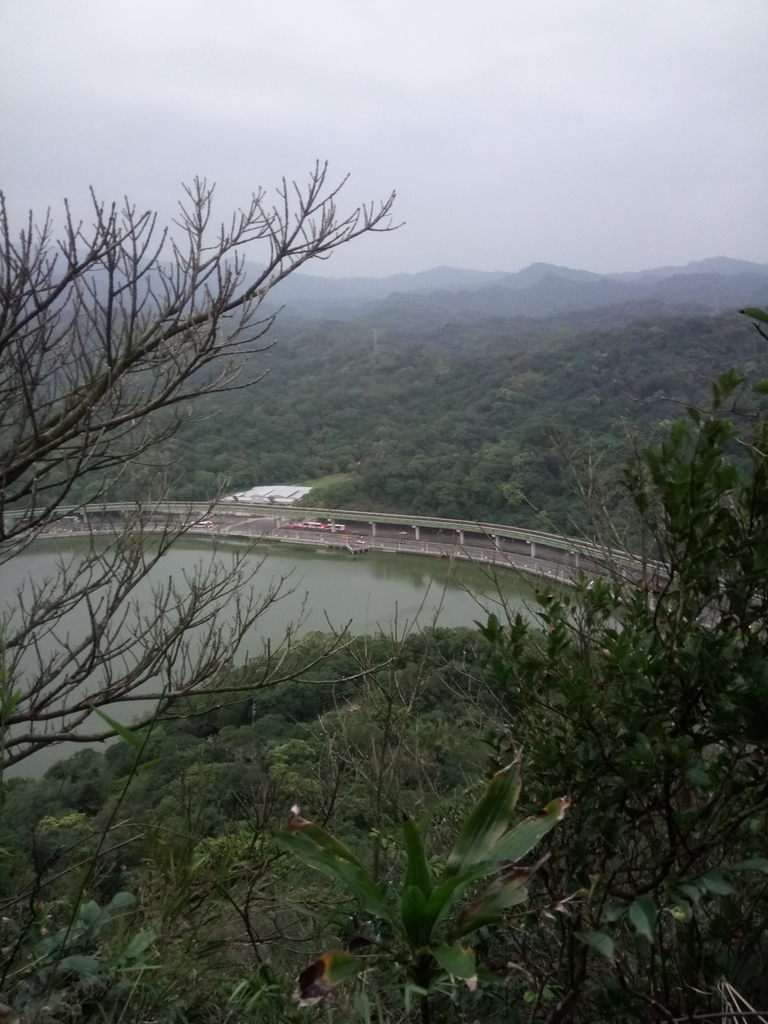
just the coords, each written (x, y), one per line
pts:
(523, 837)
(8, 703)
(486, 822)
(444, 896)
(755, 313)
(505, 892)
(417, 873)
(413, 910)
(121, 901)
(480, 916)
(642, 914)
(756, 864)
(299, 826)
(348, 872)
(122, 732)
(714, 882)
(457, 961)
(85, 966)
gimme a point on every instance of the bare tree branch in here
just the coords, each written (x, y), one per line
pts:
(107, 334)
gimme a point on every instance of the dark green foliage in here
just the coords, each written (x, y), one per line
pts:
(84, 781)
(645, 698)
(85, 966)
(423, 942)
(651, 705)
(457, 421)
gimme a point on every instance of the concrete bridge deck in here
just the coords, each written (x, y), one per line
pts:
(529, 551)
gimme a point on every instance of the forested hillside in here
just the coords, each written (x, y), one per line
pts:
(468, 421)
(531, 821)
(540, 819)
(561, 816)
(387, 755)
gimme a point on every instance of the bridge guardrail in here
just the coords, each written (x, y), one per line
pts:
(556, 541)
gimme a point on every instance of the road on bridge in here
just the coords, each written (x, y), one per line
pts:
(501, 552)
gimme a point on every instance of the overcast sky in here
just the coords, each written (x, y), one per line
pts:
(603, 134)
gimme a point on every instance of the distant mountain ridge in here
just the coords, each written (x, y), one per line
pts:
(723, 265)
(553, 295)
(541, 289)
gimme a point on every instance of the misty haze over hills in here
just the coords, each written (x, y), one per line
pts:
(542, 289)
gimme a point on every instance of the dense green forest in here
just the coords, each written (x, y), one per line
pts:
(555, 813)
(534, 819)
(564, 819)
(478, 421)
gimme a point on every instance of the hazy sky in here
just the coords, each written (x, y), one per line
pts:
(604, 134)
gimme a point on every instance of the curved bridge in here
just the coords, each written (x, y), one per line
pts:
(532, 551)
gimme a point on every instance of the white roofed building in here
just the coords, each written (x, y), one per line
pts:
(280, 494)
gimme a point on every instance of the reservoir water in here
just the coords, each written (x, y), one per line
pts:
(367, 593)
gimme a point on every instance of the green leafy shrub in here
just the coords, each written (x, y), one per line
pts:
(650, 701)
(413, 931)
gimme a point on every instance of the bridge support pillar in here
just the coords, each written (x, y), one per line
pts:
(497, 543)
(417, 533)
(576, 558)
(533, 549)
(373, 529)
(461, 538)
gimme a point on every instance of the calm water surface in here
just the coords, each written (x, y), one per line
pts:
(367, 593)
